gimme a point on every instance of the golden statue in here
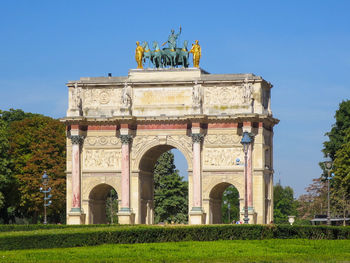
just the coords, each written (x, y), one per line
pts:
(139, 54)
(196, 52)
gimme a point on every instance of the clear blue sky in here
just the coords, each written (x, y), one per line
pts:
(302, 47)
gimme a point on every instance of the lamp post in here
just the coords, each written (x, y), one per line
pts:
(291, 220)
(246, 141)
(328, 167)
(46, 190)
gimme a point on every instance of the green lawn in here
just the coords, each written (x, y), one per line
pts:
(269, 250)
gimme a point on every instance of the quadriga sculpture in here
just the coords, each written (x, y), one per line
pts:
(171, 56)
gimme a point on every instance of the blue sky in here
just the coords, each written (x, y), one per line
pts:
(302, 47)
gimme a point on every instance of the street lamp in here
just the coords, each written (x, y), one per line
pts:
(46, 190)
(246, 141)
(328, 167)
(291, 220)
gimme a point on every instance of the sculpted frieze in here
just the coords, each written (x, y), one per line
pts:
(102, 141)
(102, 159)
(222, 139)
(222, 157)
(98, 97)
(228, 95)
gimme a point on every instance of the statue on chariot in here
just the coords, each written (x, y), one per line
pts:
(171, 56)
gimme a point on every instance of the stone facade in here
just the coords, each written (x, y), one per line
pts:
(117, 127)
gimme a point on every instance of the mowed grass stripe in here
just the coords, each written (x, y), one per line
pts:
(269, 250)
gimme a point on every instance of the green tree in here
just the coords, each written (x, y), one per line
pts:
(37, 144)
(283, 203)
(8, 182)
(340, 190)
(170, 191)
(112, 207)
(230, 205)
(338, 147)
(338, 135)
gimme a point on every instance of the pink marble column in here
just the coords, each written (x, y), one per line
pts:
(197, 183)
(76, 180)
(125, 202)
(250, 177)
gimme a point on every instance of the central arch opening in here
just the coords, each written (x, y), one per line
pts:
(164, 190)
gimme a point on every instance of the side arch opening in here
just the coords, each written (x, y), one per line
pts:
(103, 205)
(224, 204)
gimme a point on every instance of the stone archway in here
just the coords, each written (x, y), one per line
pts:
(215, 202)
(118, 126)
(146, 164)
(97, 203)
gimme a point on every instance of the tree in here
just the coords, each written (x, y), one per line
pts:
(8, 183)
(38, 144)
(170, 191)
(112, 207)
(338, 147)
(340, 183)
(230, 205)
(314, 202)
(283, 203)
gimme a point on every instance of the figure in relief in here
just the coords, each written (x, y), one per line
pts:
(247, 91)
(126, 96)
(139, 55)
(76, 96)
(197, 94)
(196, 52)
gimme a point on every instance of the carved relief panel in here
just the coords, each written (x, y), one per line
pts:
(229, 99)
(224, 95)
(101, 159)
(222, 157)
(101, 153)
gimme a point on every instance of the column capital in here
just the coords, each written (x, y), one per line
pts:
(125, 138)
(197, 137)
(77, 139)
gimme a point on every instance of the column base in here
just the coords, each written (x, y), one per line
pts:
(76, 218)
(252, 215)
(197, 216)
(126, 217)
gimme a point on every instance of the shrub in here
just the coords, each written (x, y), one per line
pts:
(68, 236)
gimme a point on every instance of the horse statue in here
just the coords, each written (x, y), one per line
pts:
(169, 57)
(183, 55)
(157, 55)
(147, 54)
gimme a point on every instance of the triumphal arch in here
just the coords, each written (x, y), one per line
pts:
(117, 127)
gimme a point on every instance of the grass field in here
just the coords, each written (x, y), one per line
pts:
(269, 250)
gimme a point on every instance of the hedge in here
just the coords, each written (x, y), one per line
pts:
(7, 228)
(90, 236)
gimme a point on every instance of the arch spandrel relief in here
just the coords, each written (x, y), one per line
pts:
(141, 144)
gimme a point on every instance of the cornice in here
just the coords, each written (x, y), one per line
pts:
(115, 120)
